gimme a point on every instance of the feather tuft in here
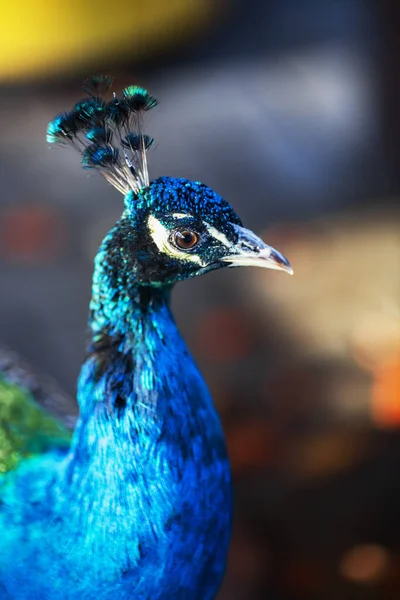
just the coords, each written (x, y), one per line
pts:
(97, 84)
(137, 98)
(134, 141)
(100, 135)
(109, 135)
(62, 128)
(96, 156)
(90, 111)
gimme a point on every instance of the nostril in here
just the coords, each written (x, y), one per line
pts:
(245, 245)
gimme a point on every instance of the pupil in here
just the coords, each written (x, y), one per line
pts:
(187, 237)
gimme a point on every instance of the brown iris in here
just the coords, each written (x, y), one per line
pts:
(185, 239)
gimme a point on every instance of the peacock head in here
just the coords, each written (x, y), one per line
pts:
(171, 229)
(176, 229)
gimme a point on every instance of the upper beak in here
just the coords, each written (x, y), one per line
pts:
(251, 251)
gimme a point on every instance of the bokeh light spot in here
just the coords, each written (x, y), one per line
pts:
(31, 234)
(385, 407)
(365, 564)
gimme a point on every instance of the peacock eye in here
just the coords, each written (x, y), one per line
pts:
(185, 239)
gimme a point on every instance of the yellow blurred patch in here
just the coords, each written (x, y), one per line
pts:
(49, 36)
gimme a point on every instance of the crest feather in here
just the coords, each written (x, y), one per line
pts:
(108, 135)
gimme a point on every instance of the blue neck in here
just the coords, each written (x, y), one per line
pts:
(148, 440)
(119, 304)
(130, 379)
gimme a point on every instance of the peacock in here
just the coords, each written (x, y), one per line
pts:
(138, 504)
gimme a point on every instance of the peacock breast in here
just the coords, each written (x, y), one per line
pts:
(185, 500)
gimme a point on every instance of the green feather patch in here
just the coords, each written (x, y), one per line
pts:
(25, 429)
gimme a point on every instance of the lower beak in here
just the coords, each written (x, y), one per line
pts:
(251, 251)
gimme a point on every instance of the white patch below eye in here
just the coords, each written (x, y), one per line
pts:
(160, 235)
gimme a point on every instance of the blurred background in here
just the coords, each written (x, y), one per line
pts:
(290, 111)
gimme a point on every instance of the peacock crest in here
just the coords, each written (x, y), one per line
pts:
(108, 134)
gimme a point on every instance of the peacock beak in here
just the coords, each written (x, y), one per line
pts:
(251, 251)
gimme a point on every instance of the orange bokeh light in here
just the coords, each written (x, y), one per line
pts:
(385, 398)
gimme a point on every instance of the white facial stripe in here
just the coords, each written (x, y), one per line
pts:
(217, 235)
(160, 235)
(181, 215)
